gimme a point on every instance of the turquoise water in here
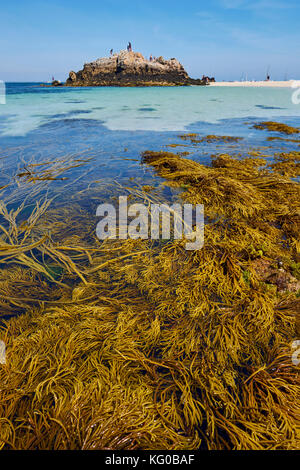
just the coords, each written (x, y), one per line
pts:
(140, 109)
(108, 128)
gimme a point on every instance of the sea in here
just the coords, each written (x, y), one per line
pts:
(90, 135)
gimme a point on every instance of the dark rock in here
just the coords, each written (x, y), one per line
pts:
(278, 276)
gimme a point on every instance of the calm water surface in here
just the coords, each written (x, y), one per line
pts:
(98, 134)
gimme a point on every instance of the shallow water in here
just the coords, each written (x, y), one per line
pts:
(110, 127)
(173, 345)
(145, 109)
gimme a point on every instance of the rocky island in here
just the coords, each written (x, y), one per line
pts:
(128, 68)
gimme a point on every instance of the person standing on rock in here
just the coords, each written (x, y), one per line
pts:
(111, 52)
(151, 58)
(129, 47)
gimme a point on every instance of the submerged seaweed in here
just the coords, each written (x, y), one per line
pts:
(194, 138)
(136, 344)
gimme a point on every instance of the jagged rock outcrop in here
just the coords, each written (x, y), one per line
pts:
(131, 69)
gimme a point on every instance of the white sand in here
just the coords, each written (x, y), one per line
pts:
(265, 83)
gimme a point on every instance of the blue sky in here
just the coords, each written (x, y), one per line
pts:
(229, 39)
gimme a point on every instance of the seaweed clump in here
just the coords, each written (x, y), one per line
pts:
(277, 127)
(287, 164)
(146, 345)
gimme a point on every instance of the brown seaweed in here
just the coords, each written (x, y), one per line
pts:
(134, 344)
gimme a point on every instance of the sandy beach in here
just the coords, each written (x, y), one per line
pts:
(263, 83)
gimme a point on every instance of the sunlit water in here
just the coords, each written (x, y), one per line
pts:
(110, 127)
(140, 109)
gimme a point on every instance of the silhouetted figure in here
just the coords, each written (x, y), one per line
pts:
(111, 52)
(129, 47)
(151, 58)
(207, 79)
(268, 77)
